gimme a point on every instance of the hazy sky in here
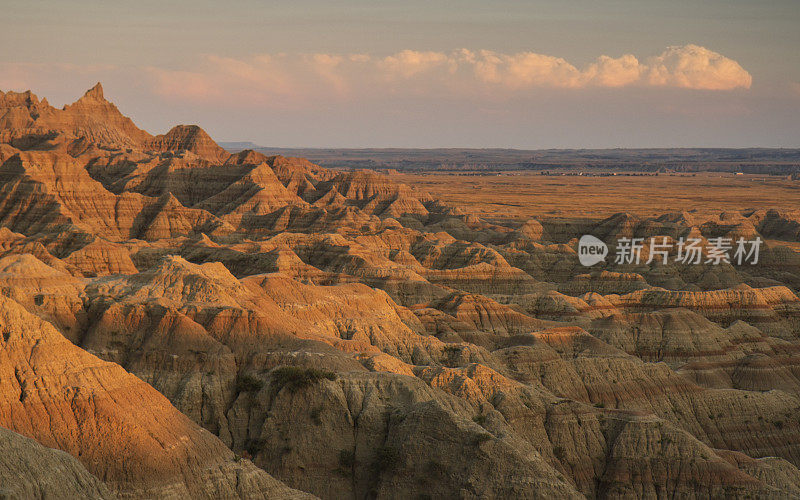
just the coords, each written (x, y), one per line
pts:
(490, 73)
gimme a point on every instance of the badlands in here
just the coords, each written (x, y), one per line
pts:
(181, 322)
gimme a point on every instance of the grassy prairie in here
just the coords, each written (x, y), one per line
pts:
(530, 195)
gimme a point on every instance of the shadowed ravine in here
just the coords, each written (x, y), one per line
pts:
(181, 322)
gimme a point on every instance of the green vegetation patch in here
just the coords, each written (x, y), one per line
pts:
(294, 378)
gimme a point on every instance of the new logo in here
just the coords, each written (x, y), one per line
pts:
(591, 250)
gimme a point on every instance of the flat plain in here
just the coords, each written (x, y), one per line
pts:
(514, 195)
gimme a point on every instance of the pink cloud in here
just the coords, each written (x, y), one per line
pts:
(304, 80)
(523, 70)
(611, 72)
(408, 63)
(464, 71)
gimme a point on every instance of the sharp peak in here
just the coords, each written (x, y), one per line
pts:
(93, 95)
(95, 92)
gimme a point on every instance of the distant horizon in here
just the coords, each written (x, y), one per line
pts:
(395, 147)
(225, 145)
(505, 74)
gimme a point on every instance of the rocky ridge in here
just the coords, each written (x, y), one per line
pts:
(227, 313)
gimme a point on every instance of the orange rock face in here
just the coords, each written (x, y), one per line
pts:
(177, 321)
(123, 430)
(26, 121)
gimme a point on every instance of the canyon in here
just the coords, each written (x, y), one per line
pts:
(179, 321)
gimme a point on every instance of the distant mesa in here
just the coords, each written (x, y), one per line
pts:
(235, 147)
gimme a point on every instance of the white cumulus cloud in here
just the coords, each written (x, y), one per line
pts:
(293, 80)
(308, 77)
(695, 67)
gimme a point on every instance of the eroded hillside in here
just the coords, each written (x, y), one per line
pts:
(187, 323)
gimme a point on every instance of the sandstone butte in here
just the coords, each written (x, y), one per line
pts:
(181, 322)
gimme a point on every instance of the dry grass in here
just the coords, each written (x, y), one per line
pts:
(530, 195)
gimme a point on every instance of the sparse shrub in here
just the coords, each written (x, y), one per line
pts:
(481, 438)
(437, 468)
(347, 458)
(315, 414)
(600, 405)
(248, 383)
(294, 378)
(778, 424)
(387, 458)
(253, 446)
(558, 451)
(479, 419)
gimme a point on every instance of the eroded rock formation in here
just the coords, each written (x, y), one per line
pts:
(184, 322)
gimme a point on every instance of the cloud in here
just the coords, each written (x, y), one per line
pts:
(611, 72)
(261, 79)
(190, 85)
(309, 77)
(695, 67)
(522, 70)
(688, 66)
(408, 63)
(319, 79)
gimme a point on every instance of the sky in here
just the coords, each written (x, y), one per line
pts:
(418, 74)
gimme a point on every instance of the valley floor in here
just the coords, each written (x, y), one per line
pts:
(524, 195)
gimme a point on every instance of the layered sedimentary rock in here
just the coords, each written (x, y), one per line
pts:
(30, 470)
(188, 138)
(120, 428)
(26, 121)
(183, 322)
